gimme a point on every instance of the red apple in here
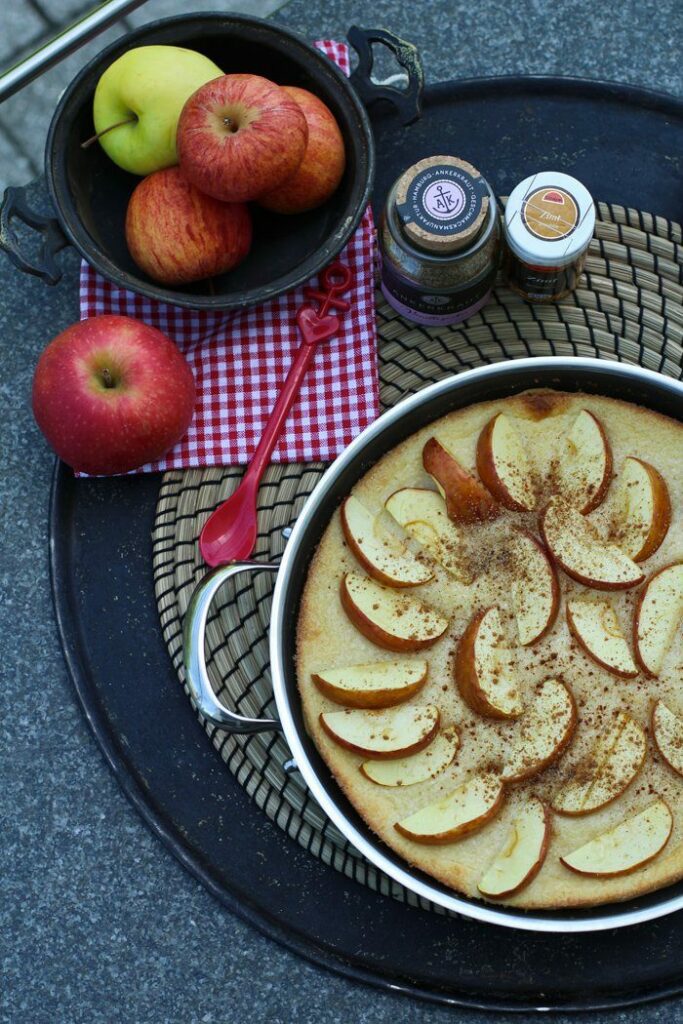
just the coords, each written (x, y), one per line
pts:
(111, 394)
(322, 167)
(176, 234)
(240, 136)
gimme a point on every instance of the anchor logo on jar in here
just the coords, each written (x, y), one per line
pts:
(444, 199)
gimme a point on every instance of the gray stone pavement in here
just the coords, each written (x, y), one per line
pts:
(25, 25)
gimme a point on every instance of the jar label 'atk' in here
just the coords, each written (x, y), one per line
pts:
(443, 200)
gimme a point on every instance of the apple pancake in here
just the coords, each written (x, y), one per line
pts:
(520, 550)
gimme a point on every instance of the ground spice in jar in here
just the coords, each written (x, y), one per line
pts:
(439, 241)
(549, 223)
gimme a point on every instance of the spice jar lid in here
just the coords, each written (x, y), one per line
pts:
(442, 203)
(549, 219)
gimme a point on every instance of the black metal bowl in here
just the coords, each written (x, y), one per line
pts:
(90, 193)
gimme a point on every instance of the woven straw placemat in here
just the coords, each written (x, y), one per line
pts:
(629, 308)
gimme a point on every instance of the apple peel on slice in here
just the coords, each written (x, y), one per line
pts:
(521, 857)
(615, 761)
(503, 464)
(667, 733)
(545, 732)
(422, 514)
(426, 764)
(383, 556)
(482, 676)
(378, 684)
(594, 625)
(392, 732)
(642, 510)
(390, 618)
(657, 618)
(583, 468)
(535, 590)
(455, 815)
(467, 500)
(577, 548)
(628, 846)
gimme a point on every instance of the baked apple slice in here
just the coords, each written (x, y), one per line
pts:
(642, 510)
(462, 811)
(422, 514)
(658, 615)
(408, 771)
(594, 625)
(503, 464)
(389, 618)
(521, 857)
(583, 468)
(467, 500)
(383, 556)
(393, 732)
(544, 734)
(667, 732)
(577, 548)
(379, 684)
(626, 847)
(482, 671)
(534, 590)
(614, 763)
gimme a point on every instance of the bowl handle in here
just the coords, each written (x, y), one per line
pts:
(407, 102)
(194, 658)
(14, 205)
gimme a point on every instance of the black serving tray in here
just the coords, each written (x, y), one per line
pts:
(625, 144)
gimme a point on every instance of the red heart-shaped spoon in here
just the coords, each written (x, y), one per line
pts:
(230, 532)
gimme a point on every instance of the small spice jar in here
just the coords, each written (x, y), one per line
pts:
(549, 223)
(439, 241)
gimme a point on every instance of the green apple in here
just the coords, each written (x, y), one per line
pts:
(138, 101)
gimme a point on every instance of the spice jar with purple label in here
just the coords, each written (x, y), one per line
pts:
(549, 223)
(439, 241)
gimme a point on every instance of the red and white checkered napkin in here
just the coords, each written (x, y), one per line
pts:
(240, 361)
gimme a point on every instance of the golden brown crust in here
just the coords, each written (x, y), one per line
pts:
(325, 638)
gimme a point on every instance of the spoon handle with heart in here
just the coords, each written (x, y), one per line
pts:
(230, 531)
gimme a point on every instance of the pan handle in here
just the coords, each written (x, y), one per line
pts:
(407, 102)
(194, 658)
(15, 206)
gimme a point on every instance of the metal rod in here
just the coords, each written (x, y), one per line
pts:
(62, 45)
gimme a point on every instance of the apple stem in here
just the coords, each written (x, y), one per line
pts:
(107, 378)
(94, 138)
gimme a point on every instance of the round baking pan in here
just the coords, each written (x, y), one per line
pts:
(626, 382)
